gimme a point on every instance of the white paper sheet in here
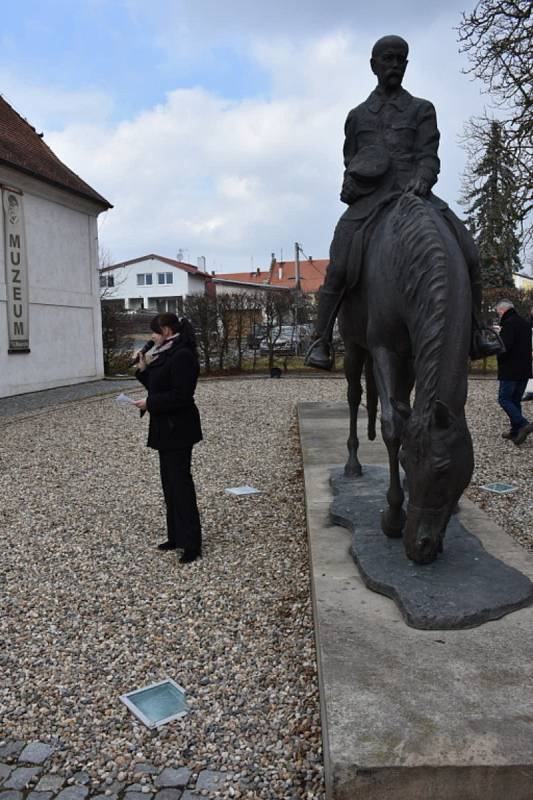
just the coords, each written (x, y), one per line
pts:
(126, 399)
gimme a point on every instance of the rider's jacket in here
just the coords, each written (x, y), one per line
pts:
(406, 128)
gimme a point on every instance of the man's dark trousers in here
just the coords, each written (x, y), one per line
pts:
(510, 397)
(183, 519)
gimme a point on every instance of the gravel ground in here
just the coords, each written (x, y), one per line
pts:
(94, 610)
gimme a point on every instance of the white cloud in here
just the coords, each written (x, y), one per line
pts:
(46, 105)
(231, 179)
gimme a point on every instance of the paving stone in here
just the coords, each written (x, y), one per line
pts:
(13, 795)
(168, 794)
(11, 748)
(5, 769)
(146, 769)
(134, 787)
(50, 783)
(116, 787)
(138, 795)
(103, 796)
(187, 795)
(210, 780)
(173, 777)
(36, 753)
(82, 777)
(40, 796)
(73, 793)
(21, 776)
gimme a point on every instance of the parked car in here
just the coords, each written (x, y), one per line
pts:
(288, 339)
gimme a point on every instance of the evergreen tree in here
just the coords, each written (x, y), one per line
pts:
(493, 208)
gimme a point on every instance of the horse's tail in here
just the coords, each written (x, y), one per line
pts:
(371, 397)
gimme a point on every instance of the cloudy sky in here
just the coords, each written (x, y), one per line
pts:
(216, 128)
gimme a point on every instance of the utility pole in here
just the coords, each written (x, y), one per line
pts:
(297, 298)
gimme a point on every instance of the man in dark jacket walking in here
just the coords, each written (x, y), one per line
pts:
(514, 369)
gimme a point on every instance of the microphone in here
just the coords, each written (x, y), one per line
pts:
(144, 349)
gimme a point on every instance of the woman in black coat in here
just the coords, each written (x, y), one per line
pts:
(171, 378)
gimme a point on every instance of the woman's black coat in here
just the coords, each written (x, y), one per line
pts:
(171, 380)
(515, 363)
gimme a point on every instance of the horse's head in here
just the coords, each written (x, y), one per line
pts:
(437, 457)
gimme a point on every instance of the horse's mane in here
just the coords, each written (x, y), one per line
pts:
(422, 276)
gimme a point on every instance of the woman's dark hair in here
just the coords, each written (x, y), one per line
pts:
(176, 325)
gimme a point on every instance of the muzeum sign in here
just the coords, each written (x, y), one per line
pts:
(17, 293)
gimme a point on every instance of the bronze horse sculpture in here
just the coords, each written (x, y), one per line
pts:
(411, 315)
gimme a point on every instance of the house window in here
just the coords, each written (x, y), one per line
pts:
(110, 281)
(103, 282)
(144, 279)
(165, 277)
(107, 281)
(169, 277)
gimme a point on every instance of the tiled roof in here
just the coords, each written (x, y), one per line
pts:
(312, 274)
(22, 148)
(170, 261)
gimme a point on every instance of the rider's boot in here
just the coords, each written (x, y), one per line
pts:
(483, 342)
(320, 353)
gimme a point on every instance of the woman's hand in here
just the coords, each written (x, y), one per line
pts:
(141, 404)
(141, 361)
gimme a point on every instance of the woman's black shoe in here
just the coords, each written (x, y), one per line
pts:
(189, 556)
(166, 546)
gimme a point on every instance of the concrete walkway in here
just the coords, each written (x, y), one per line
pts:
(33, 401)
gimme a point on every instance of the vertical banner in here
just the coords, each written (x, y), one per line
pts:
(16, 273)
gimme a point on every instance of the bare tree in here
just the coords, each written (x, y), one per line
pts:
(201, 310)
(497, 36)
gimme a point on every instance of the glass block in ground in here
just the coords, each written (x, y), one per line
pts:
(500, 488)
(157, 704)
(242, 490)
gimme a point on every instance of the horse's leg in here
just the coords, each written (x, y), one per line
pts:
(354, 359)
(388, 369)
(371, 397)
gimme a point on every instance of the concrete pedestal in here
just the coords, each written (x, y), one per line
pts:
(410, 714)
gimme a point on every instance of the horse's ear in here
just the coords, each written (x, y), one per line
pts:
(443, 415)
(403, 409)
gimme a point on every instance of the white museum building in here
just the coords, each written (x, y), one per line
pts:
(153, 283)
(50, 322)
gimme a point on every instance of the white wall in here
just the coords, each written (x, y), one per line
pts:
(126, 288)
(64, 315)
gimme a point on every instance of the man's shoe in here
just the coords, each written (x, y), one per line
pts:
(319, 355)
(166, 546)
(523, 433)
(508, 435)
(189, 556)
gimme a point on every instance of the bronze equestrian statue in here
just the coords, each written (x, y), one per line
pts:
(404, 278)
(391, 144)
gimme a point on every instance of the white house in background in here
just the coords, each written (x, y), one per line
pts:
(522, 281)
(152, 282)
(50, 324)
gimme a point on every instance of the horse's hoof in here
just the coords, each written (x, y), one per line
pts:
(393, 528)
(424, 550)
(353, 470)
(371, 434)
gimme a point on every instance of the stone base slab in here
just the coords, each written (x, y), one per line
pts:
(411, 714)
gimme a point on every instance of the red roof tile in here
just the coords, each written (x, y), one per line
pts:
(22, 148)
(312, 274)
